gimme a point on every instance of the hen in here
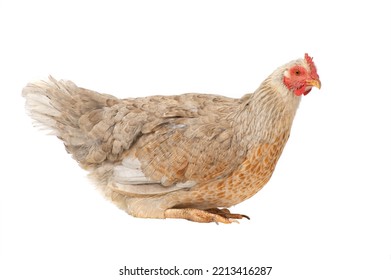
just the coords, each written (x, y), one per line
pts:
(186, 156)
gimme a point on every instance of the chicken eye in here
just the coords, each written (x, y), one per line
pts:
(297, 72)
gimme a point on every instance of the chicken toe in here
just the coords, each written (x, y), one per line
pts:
(224, 212)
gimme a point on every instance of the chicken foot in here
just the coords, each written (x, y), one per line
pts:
(204, 216)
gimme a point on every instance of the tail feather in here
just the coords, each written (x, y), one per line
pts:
(59, 107)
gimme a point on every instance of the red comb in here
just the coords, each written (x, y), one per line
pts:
(314, 73)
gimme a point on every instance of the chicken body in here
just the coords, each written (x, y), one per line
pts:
(180, 156)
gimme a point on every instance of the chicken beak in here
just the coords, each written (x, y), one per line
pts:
(314, 83)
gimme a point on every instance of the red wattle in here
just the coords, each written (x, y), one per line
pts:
(300, 91)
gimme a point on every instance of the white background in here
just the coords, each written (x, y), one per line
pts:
(325, 214)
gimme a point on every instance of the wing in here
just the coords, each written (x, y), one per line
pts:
(187, 140)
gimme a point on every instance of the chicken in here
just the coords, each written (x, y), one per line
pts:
(188, 156)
